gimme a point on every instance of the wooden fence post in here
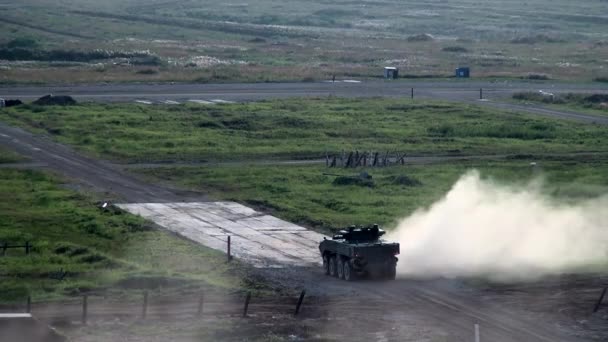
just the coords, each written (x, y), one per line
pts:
(4, 248)
(28, 305)
(201, 300)
(412, 93)
(228, 248)
(300, 300)
(402, 159)
(247, 299)
(351, 159)
(599, 302)
(27, 247)
(481, 93)
(144, 309)
(85, 307)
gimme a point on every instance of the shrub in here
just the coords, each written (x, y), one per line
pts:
(532, 96)
(30, 54)
(541, 77)
(147, 72)
(405, 181)
(22, 43)
(539, 38)
(442, 130)
(455, 49)
(358, 181)
(423, 37)
(597, 98)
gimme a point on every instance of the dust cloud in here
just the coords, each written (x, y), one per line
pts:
(484, 229)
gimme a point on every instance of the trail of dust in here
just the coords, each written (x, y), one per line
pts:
(481, 228)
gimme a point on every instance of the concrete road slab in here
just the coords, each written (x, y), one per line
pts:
(259, 239)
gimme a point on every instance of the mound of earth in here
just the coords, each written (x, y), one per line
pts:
(50, 100)
(423, 37)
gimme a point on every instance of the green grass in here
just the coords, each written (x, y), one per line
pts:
(316, 39)
(301, 128)
(7, 156)
(305, 195)
(99, 250)
(594, 104)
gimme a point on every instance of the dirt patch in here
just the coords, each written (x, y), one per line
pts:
(568, 301)
(27, 329)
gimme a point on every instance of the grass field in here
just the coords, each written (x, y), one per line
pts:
(301, 128)
(594, 104)
(7, 156)
(294, 129)
(307, 195)
(99, 251)
(277, 41)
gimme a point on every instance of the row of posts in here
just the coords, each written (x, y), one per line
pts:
(5, 246)
(199, 312)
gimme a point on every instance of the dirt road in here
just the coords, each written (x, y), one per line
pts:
(101, 176)
(453, 311)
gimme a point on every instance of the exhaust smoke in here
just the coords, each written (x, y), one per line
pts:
(483, 229)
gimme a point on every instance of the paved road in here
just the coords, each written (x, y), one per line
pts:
(463, 91)
(454, 90)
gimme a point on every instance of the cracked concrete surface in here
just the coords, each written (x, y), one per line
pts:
(256, 238)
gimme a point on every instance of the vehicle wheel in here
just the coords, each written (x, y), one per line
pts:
(340, 269)
(392, 273)
(348, 271)
(326, 264)
(333, 267)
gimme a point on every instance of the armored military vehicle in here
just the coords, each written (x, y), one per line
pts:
(359, 252)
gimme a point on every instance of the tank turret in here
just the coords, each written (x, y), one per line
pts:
(360, 235)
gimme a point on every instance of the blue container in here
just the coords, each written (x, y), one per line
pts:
(463, 72)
